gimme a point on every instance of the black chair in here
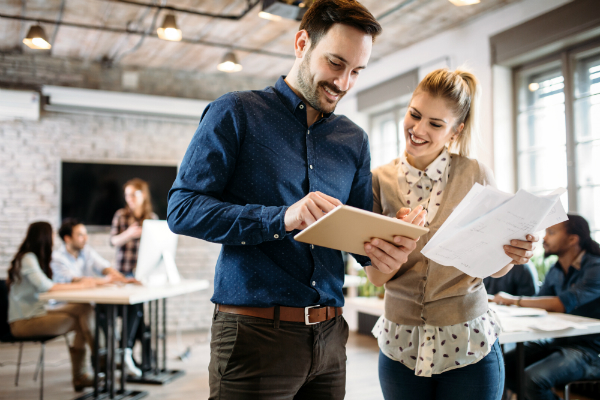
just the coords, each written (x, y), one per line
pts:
(7, 337)
(591, 387)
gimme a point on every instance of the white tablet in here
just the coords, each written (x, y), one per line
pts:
(348, 228)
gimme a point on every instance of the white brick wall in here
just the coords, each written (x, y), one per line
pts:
(30, 156)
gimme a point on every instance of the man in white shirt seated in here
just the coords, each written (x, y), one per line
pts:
(75, 260)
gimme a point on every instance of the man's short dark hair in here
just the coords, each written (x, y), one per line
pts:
(66, 229)
(323, 14)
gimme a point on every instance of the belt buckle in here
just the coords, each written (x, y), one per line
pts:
(306, 316)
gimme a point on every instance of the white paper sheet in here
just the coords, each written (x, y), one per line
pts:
(472, 238)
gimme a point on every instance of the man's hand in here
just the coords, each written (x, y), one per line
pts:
(521, 251)
(308, 210)
(505, 299)
(387, 257)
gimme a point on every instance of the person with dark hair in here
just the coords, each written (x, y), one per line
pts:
(261, 166)
(125, 235)
(29, 275)
(572, 286)
(521, 280)
(75, 260)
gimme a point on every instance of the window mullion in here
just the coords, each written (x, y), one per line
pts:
(569, 92)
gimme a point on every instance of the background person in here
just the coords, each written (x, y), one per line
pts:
(521, 280)
(125, 234)
(571, 286)
(438, 340)
(76, 260)
(29, 275)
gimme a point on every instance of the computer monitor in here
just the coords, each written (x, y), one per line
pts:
(156, 255)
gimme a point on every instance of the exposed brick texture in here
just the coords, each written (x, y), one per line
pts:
(30, 156)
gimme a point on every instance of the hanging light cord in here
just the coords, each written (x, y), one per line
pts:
(118, 57)
(58, 20)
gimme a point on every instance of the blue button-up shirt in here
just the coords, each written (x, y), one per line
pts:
(252, 157)
(65, 267)
(578, 291)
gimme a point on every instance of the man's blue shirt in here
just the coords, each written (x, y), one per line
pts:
(578, 291)
(252, 157)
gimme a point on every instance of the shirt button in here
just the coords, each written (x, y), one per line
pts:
(302, 106)
(424, 278)
(314, 283)
(243, 242)
(311, 167)
(312, 246)
(308, 133)
(428, 338)
(276, 236)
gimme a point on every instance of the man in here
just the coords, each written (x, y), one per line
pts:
(521, 280)
(261, 166)
(75, 260)
(571, 286)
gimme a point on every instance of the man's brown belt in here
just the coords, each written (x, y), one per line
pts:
(309, 315)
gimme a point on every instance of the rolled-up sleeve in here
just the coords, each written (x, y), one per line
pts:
(584, 290)
(196, 207)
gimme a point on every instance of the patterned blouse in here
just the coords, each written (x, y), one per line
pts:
(126, 257)
(430, 349)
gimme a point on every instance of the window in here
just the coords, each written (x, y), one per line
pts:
(558, 129)
(387, 136)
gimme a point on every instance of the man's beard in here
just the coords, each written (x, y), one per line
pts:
(310, 90)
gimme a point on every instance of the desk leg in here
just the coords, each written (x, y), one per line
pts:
(156, 342)
(123, 345)
(521, 371)
(96, 350)
(164, 333)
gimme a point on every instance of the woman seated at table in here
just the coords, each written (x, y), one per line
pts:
(29, 275)
(572, 286)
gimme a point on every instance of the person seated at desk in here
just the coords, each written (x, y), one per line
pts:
(572, 286)
(521, 280)
(75, 260)
(28, 276)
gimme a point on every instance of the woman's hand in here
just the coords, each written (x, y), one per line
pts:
(134, 231)
(506, 299)
(521, 251)
(387, 257)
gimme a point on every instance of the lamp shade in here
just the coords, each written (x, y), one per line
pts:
(229, 63)
(460, 3)
(36, 38)
(169, 29)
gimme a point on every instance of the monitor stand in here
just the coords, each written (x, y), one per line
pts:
(160, 278)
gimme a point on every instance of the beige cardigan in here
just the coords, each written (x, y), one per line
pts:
(423, 291)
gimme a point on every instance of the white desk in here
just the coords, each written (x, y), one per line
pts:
(112, 297)
(128, 294)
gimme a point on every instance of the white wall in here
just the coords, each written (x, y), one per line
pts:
(467, 45)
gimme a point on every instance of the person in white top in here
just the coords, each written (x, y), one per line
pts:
(75, 260)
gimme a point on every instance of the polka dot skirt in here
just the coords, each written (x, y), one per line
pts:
(435, 349)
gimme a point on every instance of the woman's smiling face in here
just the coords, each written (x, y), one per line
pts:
(428, 126)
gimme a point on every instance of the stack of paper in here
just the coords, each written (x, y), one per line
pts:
(473, 236)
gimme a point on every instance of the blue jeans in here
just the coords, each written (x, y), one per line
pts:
(483, 380)
(549, 364)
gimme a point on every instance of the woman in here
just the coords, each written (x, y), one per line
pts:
(438, 340)
(29, 275)
(125, 235)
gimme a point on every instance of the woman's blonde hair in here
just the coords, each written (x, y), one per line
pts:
(142, 186)
(462, 92)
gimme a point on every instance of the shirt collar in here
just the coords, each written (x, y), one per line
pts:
(577, 262)
(63, 249)
(434, 171)
(291, 100)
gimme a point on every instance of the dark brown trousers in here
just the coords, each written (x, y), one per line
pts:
(255, 358)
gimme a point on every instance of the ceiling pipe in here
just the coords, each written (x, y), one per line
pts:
(250, 6)
(141, 32)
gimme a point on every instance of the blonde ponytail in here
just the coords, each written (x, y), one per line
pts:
(462, 92)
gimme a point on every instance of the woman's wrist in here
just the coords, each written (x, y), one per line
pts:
(518, 303)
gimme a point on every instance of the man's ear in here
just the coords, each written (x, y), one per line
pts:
(573, 240)
(301, 43)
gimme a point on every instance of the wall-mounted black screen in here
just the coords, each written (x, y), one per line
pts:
(93, 192)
